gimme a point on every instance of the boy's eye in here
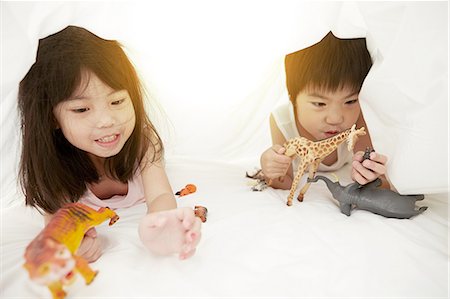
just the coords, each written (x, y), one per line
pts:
(80, 110)
(118, 102)
(351, 102)
(318, 104)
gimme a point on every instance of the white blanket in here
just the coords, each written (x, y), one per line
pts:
(254, 245)
(216, 70)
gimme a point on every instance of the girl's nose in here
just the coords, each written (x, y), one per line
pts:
(105, 119)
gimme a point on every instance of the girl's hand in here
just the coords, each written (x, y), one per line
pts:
(274, 163)
(90, 248)
(368, 170)
(173, 231)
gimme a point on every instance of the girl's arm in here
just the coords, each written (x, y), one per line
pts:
(90, 248)
(158, 192)
(165, 229)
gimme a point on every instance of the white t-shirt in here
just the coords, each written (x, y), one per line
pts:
(285, 119)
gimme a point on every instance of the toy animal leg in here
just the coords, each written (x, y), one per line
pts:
(301, 169)
(105, 213)
(57, 290)
(83, 267)
(312, 171)
(346, 208)
(421, 209)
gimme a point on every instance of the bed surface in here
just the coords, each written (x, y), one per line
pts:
(217, 82)
(254, 245)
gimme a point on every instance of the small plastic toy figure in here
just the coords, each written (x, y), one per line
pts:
(311, 154)
(201, 212)
(50, 258)
(190, 188)
(368, 197)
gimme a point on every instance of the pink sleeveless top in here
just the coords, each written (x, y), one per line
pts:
(134, 196)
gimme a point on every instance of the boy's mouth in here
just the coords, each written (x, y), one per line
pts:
(331, 133)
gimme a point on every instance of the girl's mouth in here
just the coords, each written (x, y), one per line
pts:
(108, 140)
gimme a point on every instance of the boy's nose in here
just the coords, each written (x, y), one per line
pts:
(335, 117)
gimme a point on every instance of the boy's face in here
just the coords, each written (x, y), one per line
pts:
(322, 114)
(96, 119)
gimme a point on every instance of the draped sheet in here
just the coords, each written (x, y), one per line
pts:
(214, 71)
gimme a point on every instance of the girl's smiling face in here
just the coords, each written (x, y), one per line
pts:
(96, 118)
(322, 114)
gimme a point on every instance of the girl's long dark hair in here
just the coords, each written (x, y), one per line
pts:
(52, 171)
(330, 64)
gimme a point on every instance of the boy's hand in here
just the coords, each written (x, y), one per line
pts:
(274, 163)
(370, 169)
(91, 247)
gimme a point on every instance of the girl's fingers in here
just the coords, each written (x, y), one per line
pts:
(154, 220)
(91, 233)
(186, 255)
(194, 234)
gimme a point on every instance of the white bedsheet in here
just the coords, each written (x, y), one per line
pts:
(254, 245)
(216, 69)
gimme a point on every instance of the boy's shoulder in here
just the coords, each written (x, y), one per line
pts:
(284, 118)
(283, 113)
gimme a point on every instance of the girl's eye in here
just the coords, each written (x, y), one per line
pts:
(80, 110)
(118, 102)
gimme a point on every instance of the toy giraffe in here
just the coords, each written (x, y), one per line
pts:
(312, 153)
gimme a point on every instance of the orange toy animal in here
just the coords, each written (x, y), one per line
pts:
(50, 257)
(201, 212)
(190, 188)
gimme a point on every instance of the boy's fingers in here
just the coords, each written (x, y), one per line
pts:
(276, 147)
(359, 178)
(377, 168)
(358, 156)
(367, 174)
(378, 158)
(281, 150)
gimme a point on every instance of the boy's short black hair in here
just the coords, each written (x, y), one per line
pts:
(329, 65)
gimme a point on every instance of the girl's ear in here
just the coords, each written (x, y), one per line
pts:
(55, 123)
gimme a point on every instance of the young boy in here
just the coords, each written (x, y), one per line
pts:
(323, 82)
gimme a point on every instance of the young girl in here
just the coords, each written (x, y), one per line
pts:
(86, 137)
(323, 82)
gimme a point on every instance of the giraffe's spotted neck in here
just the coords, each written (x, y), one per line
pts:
(326, 146)
(338, 138)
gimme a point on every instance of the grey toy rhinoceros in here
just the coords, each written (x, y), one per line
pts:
(370, 198)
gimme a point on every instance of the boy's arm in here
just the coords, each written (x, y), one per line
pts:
(361, 145)
(284, 182)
